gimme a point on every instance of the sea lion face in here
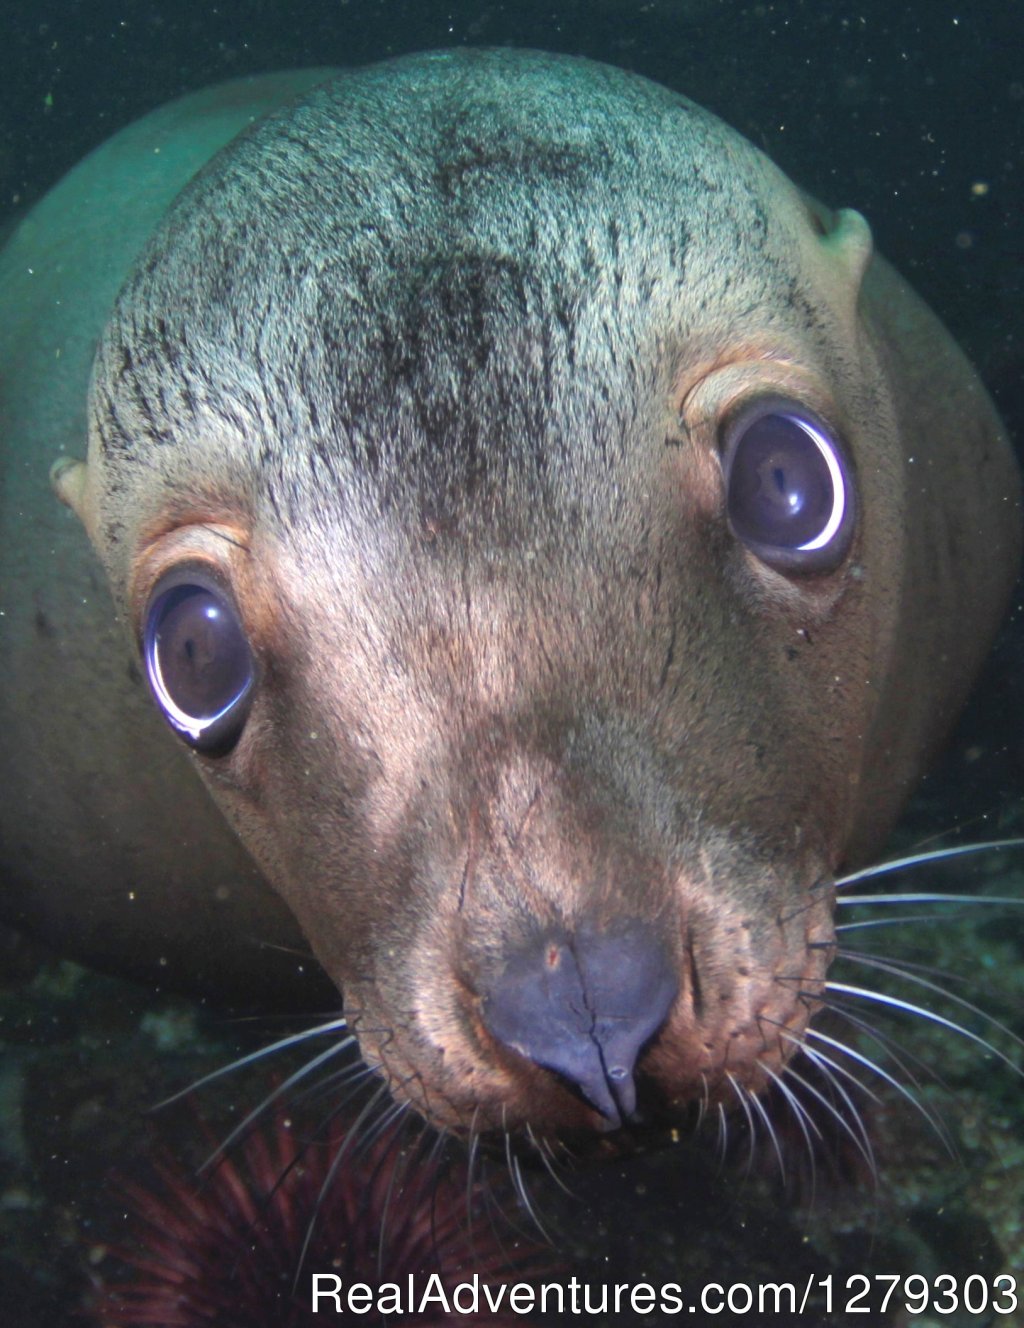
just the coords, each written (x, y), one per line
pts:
(493, 469)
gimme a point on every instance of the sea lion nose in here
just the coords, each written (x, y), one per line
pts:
(584, 1004)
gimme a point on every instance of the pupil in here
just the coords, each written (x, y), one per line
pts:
(197, 655)
(785, 485)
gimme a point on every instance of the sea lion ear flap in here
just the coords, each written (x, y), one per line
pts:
(846, 240)
(69, 479)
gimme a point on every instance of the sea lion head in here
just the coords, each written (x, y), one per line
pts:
(506, 494)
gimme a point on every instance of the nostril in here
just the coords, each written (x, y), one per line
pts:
(584, 1005)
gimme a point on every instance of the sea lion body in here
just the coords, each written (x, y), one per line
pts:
(88, 774)
(438, 391)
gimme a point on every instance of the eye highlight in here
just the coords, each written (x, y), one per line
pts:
(197, 660)
(790, 494)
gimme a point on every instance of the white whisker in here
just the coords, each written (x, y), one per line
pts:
(272, 1097)
(702, 1105)
(543, 1150)
(723, 1135)
(527, 1202)
(389, 1193)
(938, 897)
(332, 1171)
(905, 919)
(800, 1113)
(908, 968)
(741, 1096)
(933, 855)
(895, 1051)
(859, 1135)
(803, 1119)
(759, 1107)
(332, 1026)
(909, 1007)
(874, 1068)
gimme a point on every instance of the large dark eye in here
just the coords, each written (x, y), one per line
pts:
(198, 661)
(789, 490)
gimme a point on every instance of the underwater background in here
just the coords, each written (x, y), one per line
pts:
(913, 114)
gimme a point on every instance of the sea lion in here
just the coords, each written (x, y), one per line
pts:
(557, 542)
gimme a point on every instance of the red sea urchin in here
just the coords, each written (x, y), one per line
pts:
(226, 1250)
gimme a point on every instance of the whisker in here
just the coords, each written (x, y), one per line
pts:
(514, 1172)
(332, 1172)
(859, 1135)
(522, 1189)
(511, 1163)
(272, 1097)
(320, 1030)
(913, 919)
(932, 855)
(723, 1134)
(472, 1158)
(702, 1105)
(936, 897)
(751, 1129)
(896, 1051)
(873, 1067)
(516, 1176)
(800, 1113)
(393, 1112)
(804, 1120)
(393, 1179)
(908, 969)
(268, 1017)
(921, 1011)
(478, 1187)
(507, 1138)
(482, 1188)
(220, 1158)
(820, 1059)
(543, 1150)
(759, 1107)
(440, 1225)
(829, 1068)
(350, 1079)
